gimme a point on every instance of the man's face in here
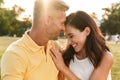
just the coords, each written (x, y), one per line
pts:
(56, 25)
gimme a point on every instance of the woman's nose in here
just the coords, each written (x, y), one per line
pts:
(69, 41)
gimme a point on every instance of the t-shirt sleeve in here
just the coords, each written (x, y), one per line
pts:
(13, 66)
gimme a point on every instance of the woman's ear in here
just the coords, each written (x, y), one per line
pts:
(87, 31)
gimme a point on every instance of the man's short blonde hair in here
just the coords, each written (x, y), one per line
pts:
(46, 6)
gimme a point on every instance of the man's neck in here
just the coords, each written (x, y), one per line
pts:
(40, 39)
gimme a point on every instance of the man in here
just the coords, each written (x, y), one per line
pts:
(28, 58)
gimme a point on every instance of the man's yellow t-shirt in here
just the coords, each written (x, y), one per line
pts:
(25, 60)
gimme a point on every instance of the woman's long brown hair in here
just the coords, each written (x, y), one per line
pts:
(95, 45)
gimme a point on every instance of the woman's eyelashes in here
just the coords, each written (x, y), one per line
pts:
(71, 36)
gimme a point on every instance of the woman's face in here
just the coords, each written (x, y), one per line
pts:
(76, 38)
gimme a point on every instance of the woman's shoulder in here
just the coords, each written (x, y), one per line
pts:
(107, 60)
(108, 56)
(104, 67)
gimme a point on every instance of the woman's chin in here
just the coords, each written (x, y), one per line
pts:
(77, 51)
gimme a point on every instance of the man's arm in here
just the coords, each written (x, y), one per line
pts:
(12, 66)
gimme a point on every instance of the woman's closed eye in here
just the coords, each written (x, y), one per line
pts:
(70, 36)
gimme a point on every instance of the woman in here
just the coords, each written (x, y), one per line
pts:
(87, 54)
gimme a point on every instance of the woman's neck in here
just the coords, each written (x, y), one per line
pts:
(81, 55)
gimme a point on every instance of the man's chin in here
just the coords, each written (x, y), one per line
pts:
(55, 38)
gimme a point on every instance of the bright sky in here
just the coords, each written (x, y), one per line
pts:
(88, 6)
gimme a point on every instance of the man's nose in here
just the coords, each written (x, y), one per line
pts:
(63, 27)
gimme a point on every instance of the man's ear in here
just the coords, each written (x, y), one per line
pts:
(47, 20)
(87, 31)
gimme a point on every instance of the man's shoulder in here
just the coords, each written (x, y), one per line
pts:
(15, 48)
(55, 44)
(14, 45)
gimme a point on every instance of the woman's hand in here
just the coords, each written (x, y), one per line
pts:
(57, 58)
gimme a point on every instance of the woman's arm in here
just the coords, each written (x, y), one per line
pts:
(58, 60)
(61, 76)
(102, 71)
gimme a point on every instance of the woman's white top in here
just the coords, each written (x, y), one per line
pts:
(82, 68)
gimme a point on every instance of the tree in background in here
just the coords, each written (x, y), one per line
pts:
(9, 23)
(111, 20)
(1, 1)
(94, 15)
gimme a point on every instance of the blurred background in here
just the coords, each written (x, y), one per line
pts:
(16, 18)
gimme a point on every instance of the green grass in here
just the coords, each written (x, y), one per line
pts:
(115, 49)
